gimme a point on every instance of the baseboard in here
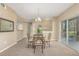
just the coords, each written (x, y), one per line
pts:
(8, 47)
(21, 39)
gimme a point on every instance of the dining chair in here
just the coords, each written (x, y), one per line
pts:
(38, 40)
(47, 38)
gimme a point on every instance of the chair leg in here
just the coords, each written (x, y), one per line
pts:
(34, 48)
(42, 48)
(28, 45)
(49, 43)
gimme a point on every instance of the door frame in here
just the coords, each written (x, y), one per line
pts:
(60, 25)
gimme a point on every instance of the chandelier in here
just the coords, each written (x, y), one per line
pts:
(38, 19)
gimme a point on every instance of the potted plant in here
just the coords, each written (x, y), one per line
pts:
(39, 29)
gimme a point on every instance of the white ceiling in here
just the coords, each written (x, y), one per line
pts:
(43, 10)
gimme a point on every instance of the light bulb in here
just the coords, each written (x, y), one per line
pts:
(39, 19)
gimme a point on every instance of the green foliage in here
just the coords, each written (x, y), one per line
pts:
(71, 33)
(39, 30)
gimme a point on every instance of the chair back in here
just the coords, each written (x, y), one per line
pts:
(49, 36)
(38, 38)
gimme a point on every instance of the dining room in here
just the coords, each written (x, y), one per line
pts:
(34, 29)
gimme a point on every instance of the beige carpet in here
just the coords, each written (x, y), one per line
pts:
(56, 49)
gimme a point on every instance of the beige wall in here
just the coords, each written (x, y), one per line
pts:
(47, 24)
(7, 38)
(25, 26)
(70, 13)
(54, 28)
(22, 33)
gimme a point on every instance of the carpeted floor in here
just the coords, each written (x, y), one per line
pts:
(56, 49)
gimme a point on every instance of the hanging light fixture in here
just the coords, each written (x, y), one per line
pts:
(38, 19)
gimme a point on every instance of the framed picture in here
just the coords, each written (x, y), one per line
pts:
(6, 25)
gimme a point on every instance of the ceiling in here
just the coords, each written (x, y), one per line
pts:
(43, 10)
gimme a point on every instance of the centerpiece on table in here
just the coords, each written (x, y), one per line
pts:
(39, 29)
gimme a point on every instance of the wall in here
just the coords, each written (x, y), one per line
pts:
(70, 13)
(47, 24)
(25, 26)
(21, 34)
(7, 38)
(54, 28)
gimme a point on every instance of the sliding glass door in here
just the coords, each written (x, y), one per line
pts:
(77, 29)
(70, 32)
(64, 31)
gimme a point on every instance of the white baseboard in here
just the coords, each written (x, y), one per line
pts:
(20, 39)
(8, 47)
